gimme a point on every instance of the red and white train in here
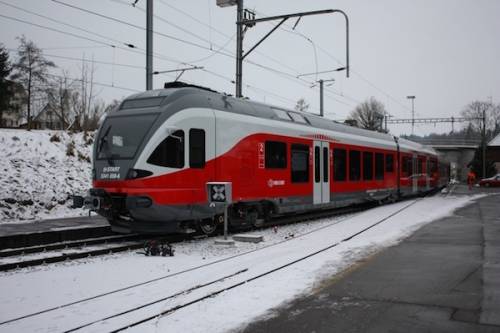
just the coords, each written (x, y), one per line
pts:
(155, 153)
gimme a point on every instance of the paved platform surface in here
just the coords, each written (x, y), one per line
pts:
(444, 278)
(11, 229)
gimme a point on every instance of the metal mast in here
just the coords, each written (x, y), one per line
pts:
(149, 45)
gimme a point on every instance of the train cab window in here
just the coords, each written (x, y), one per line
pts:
(339, 164)
(367, 165)
(196, 148)
(389, 163)
(300, 163)
(379, 166)
(275, 155)
(354, 165)
(170, 152)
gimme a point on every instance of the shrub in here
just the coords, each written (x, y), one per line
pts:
(55, 138)
(83, 157)
(70, 149)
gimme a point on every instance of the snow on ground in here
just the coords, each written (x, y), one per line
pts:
(37, 177)
(31, 290)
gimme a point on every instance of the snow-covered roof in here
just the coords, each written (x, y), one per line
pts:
(495, 141)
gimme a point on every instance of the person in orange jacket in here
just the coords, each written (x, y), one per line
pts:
(471, 179)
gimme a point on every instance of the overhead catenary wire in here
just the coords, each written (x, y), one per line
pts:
(276, 71)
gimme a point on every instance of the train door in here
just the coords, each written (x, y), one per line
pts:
(321, 178)
(428, 173)
(200, 144)
(414, 175)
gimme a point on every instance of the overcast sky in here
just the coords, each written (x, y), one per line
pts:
(446, 52)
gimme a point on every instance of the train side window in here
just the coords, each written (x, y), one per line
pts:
(420, 165)
(339, 164)
(379, 166)
(300, 163)
(354, 165)
(367, 165)
(316, 165)
(389, 163)
(275, 155)
(407, 165)
(196, 148)
(404, 164)
(170, 152)
(325, 164)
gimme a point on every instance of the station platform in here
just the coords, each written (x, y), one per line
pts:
(14, 235)
(443, 278)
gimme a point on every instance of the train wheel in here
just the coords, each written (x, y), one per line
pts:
(207, 226)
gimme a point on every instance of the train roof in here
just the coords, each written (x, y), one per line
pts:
(177, 90)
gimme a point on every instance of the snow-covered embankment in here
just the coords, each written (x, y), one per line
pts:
(39, 171)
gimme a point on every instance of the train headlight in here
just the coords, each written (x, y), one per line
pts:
(138, 173)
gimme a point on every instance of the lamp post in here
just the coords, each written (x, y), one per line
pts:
(412, 113)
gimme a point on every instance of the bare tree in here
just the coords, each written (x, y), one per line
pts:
(368, 115)
(301, 105)
(31, 71)
(59, 98)
(82, 99)
(474, 110)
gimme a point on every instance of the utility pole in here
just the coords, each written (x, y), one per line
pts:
(239, 47)
(321, 110)
(321, 85)
(412, 113)
(321, 99)
(149, 45)
(484, 143)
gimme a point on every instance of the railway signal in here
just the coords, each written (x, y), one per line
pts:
(221, 193)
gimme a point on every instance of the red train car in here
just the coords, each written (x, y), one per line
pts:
(155, 153)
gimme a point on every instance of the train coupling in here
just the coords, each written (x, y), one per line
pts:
(88, 202)
(94, 201)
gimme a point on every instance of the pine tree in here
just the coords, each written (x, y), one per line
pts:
(5, 90)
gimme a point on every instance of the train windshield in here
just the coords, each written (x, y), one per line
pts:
(120, 137)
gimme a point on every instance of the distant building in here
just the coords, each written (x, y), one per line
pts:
(493, 151)
(47, 119)
(12, 117)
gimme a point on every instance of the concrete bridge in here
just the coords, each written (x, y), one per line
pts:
(459, 152)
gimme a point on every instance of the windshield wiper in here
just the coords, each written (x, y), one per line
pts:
(103, 139)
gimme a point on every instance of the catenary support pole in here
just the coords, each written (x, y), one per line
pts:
(321, 103)
(149, 45)
(484, 143)
(239, 48)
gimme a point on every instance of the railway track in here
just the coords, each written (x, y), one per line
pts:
(199, 292)
(77, 249)
(69, 250)
(248, 280)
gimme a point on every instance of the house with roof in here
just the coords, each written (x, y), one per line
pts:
(47, 119)
(493, 151)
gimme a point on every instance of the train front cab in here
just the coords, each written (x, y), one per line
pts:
(162, 185)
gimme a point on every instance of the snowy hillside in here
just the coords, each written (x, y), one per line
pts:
(39, 171)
